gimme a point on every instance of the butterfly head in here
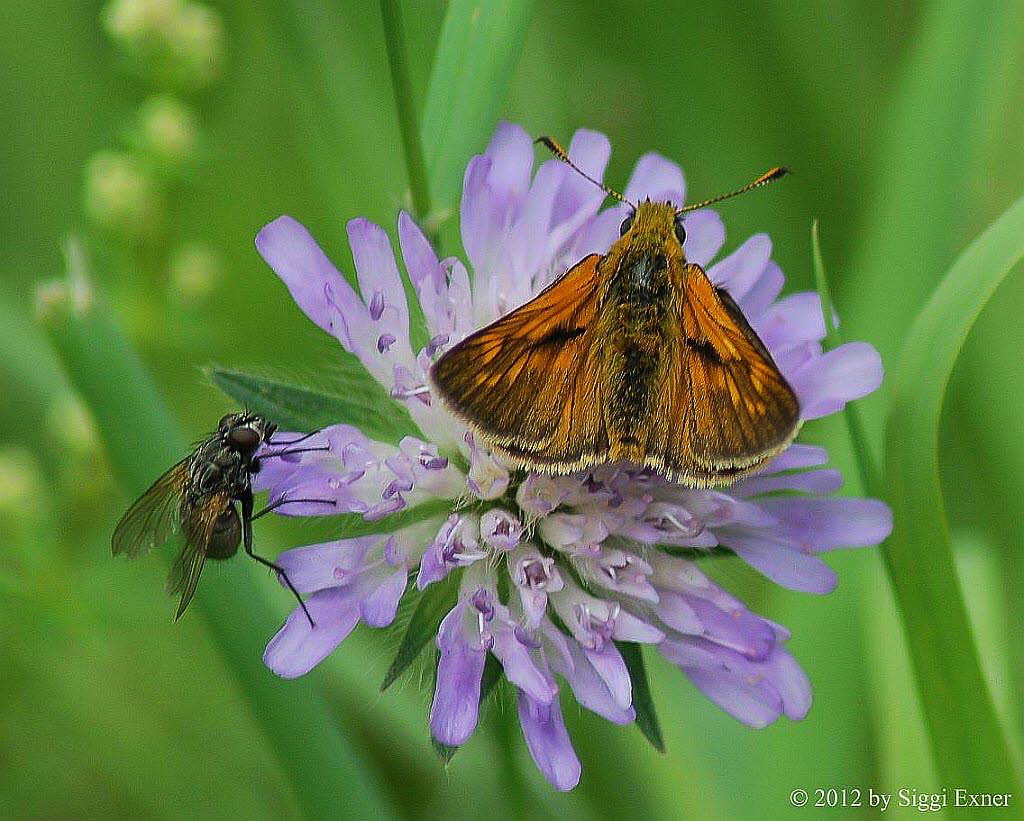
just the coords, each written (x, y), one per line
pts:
(652, 230)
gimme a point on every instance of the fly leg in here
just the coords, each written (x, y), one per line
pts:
(281, 502)
(247, 517)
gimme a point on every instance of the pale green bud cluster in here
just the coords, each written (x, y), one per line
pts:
(178, 43)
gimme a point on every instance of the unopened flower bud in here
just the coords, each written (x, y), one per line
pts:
(196, 38)
(120, 194)
(194, 271)
(20, 479)
(168, 130)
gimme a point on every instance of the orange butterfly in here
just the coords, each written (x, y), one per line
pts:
(633, 356)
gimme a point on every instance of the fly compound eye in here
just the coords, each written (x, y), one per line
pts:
(680, 230)
(244, 439)
(627, 223)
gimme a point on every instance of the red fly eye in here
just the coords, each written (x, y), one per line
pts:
(244, 438)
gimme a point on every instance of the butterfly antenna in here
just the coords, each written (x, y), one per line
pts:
(555, 148)
(764, 179)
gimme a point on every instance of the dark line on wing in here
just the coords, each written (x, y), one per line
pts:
(560, 335)
(704, 348)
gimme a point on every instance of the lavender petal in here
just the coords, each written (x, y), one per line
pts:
(380, 604)
(298, 648)
(657, 178)
(819, 525)
(848, 372)
(548, 741)
(740, 271)
(456, 706)
(705, 233)
(330, 564)
(289, 248)
(781, 561)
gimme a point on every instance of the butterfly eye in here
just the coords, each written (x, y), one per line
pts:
(680, 230)
(627, 223)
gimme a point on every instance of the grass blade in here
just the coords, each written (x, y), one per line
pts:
(913, 223)
(476, 54)
(862, 450)
(142, 440)
(968, 742)
(394, 39)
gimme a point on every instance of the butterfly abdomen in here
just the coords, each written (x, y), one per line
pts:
(639, 295)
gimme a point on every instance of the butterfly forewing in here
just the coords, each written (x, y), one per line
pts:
(527, 380)
(154, 517)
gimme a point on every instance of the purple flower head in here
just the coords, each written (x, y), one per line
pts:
(554, 571)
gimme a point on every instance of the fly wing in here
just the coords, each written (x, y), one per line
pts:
(198, 523)
(154, 517)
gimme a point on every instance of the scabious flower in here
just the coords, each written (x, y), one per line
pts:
(554, 571)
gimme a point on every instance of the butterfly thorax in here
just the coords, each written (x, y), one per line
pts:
(643, 275)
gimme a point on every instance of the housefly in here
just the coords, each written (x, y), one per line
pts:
(206, 497)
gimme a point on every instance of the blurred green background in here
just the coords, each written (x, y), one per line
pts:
(165, 152)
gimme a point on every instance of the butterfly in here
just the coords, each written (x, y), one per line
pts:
(631, 356)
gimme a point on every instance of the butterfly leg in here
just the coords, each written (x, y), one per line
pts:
(247, 517)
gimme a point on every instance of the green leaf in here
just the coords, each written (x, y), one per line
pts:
(142, 439)
(968, 742)
(476, 55)
(354, 400)
(434, 603)
(643, 702)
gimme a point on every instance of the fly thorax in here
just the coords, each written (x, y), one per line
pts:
(208, 476)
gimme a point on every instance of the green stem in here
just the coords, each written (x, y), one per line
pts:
(142, 439)
(415, 165)
(867, 466)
